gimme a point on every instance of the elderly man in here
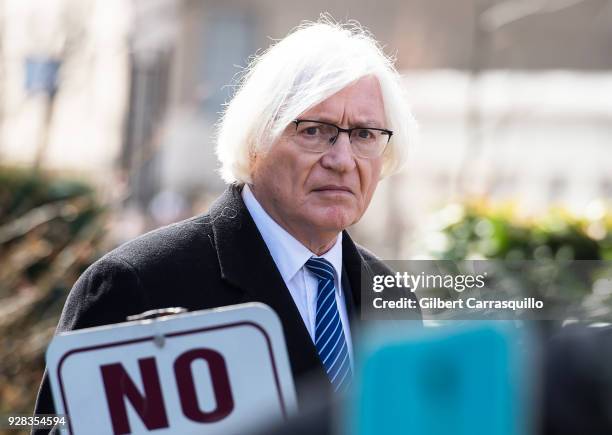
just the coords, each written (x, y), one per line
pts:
(316, 121)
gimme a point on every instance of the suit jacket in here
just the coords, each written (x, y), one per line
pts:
(208, 261)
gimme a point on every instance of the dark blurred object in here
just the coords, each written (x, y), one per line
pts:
(317, 413)
(317, 419)
(578, 382)
(50, 231)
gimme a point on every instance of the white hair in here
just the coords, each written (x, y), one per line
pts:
(316, 60)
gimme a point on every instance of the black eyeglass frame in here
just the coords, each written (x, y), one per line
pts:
(348, 131)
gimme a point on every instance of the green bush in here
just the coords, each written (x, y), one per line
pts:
(546, 256)
(481, 230)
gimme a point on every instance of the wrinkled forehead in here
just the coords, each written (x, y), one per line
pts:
(359, 103)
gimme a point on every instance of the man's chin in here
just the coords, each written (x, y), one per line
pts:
(333, 220)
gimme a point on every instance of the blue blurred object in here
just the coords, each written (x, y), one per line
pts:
(41, 75)
(469, 379)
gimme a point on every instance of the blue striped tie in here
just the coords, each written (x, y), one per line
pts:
(329, 336)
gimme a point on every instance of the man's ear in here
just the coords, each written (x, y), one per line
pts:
(256, 153)
(253, 159)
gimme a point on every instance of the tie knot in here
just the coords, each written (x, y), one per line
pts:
(321, 268)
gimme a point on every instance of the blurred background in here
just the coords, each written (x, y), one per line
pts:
(108, 108)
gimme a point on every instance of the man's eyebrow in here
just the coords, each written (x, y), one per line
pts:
(322, 118)
(367, 122)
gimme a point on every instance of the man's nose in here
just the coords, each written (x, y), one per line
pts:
(340, 155)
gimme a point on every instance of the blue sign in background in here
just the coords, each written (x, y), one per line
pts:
(468, 380)
(41, 75)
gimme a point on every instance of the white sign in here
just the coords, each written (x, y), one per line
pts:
(215, 371)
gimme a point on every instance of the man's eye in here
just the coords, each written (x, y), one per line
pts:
(364, 134)
(311, 131)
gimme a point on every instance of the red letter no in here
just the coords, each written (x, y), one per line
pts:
(220, 383)
(149, 407)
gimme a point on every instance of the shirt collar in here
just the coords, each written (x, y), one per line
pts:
(287, 252)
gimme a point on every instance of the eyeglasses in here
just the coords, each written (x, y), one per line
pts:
(318, 136)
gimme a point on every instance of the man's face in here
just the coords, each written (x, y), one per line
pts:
(312, 194)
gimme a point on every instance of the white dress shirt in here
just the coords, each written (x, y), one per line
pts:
(290, 257)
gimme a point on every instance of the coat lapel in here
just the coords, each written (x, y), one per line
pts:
(353, 263)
